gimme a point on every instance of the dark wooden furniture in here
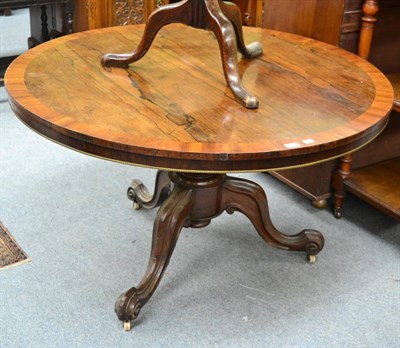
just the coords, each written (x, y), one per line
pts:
(372, 185)
(172, 110)
(311, 18)
(97, 14)
(38, 11)
(251, 11)
(339, 23)
(378, 184)
(343, 173)
(5, 12)
(39, 23)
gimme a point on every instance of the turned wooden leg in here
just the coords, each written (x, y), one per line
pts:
(171, 217)
(232, 12)
(69, 16)
(339, 177)
(173, 13)
(45, 30)
(369, 11)
(250, 199)
(141, 197)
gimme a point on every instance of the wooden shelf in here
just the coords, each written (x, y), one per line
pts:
(379, 185)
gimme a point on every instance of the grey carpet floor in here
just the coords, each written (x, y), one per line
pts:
(224, 286)
(14, 31)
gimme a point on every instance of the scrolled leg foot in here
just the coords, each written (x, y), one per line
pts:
(250, 199)
(128, 305)
(141, 197)
(315, 241)
(248, 100)
(253, 50)
(314, 244)
(226, 35)
(171, 217)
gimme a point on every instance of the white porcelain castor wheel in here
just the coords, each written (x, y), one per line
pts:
(312, 258)
(127, 325)
(136, 205)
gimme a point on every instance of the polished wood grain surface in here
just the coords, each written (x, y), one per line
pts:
(371, 184)
(173, 109)
(395, 81)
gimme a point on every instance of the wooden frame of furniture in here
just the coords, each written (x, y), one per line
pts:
(38, 10)
(377, 184)
(179, 117)
(343, 173)
(342, 29)
(94, 14)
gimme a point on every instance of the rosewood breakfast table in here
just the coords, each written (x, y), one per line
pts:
(173, 111)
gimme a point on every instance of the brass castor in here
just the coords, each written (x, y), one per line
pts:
(320, 204)
(312, 258)
(132, 196)
(127, 325)
(338, 213)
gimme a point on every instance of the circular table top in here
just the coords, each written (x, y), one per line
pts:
(173, 109)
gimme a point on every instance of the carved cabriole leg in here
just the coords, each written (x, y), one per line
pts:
(141, 197)
(232, 12)
(225, 33)
(204, 14)
(164, 15)
(250, 199)
(171, 217)
(339, 177)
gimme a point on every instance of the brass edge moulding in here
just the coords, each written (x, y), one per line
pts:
(209, 171)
